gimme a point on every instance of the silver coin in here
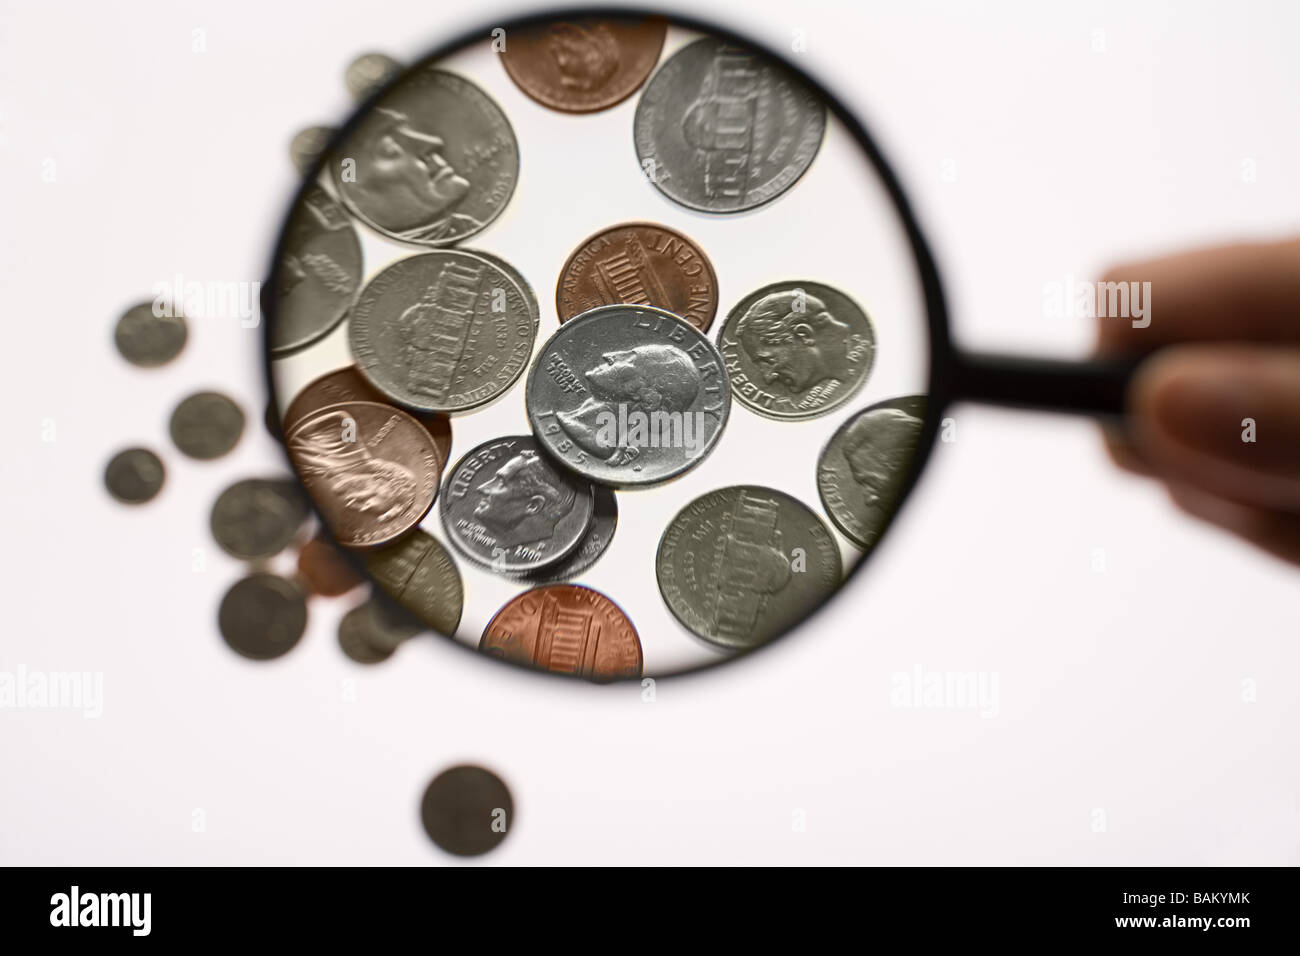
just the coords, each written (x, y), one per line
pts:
(134, 476)
(723, 128)
(306, 145)
(432, 162)
(147, 339)
(533, 305)
(318, 275)
(445, 331)
(263, 616)
(604, 522)
(206, 425)
(421, 576)
(740, 565)
(628, 395)
(862, 469)
(368, 73)
(505, 505)
(374, 629)
(258, 517)
(796, 350)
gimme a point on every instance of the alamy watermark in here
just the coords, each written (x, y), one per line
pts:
(238, 299)
(634, 428)
(53, 690)
(1073, 299)
(920, 689)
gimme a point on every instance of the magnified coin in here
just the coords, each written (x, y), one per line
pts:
(861, 471)
(368, 73)
(372, 631)
(722, 128)
(206, 425)
(566, 629)
(628, 395)
(604, 521)
(371, 469)
(258, 517)
(319, 273)
(349, 385)
(432, 162)
(533, 305)
(639, 263)
(263, 616)
(325, 570)
(796, 350)
(149, 340)
(583, 65)
(742, 564)
(134, 476)
(506, 506)
(442, 332)
(307, 144)
(467, 810)
(421, 576)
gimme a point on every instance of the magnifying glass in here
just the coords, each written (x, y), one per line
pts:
(609, 345)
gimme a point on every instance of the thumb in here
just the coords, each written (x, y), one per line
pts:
(1223, 418)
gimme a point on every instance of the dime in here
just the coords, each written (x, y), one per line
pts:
(206, 425)
(349, 385)
(565, 629)
(639, 263)
(506, 506)
(147, 339)
(433, 161)
(420, 575)
(371, 469)
(740, 565)
(371, 631)
(369, 73)
(442, 332)
(723, 128)
(604, 521)
(134, 476)
(584, 65)
(307, 144)
(628, 395)
(862, 469)
(318, 275)
(534, 307)
(325, 570)
(257, 518)
(796, 350)
(262, 616)
(467, 810)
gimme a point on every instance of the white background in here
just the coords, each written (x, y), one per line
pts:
(1031, 157)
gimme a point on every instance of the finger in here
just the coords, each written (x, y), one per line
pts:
(1248, 292)
(1225, 419)
(1277, 532)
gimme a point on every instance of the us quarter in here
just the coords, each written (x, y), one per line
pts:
(740, 565)
(506, 506)
(421, 576)
(796, 349)
(432, 162)
(722, 128)
(862, 469)
(206, 425)
(147, 339)
(628, 395)
(445, 331)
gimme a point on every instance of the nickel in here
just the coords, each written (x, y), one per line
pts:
(421, 576)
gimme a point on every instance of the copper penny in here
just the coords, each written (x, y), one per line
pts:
(580, 66)
(565, 629)
(372, 470)
(325, 570)
(639, 263)
(349, 385)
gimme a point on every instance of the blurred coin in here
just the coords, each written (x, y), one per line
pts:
(740, 565)
(604, 520)
(372, 631)
(583, 65)
(206, 425)
(723, 128)
(421, 576)
(368, 73)
(149, 340)
(640, 263)
(306, 145)
(134, 476)
(263, 616)
(272, 422)
(628, 395)
(862, 469)
(442, 332)
(533, 306)
(565, 629)
(506, 506)
(318, 274)
(257, 517)
(371, 469)
(467, 810)
(796, 350)
(432, 162)
(349, 385)
(325, 570)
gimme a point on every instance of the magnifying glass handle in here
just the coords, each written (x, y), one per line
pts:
(1097, 387)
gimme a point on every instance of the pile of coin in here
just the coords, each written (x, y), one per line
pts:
(630, 391)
